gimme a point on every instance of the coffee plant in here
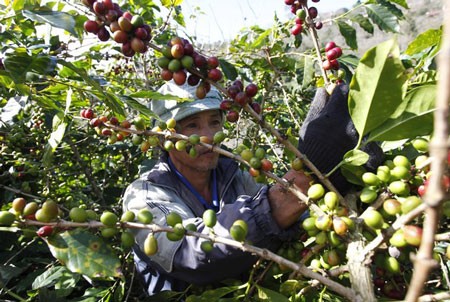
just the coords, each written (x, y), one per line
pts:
(75, 130)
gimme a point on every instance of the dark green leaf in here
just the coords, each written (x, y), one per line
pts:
(429, 38)
(21, 65)
(392, 8)
(228, 69)
(377, 88)
(382, 17)
(415, 120)
(84, 253)
(50, 277)
(54, 18)
(7, 272)
(353, 174)
(349, 34)
(363, 22)
(136, 105)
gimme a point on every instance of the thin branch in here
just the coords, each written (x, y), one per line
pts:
(435, 193)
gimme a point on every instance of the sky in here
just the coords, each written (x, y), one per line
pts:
(222, 19)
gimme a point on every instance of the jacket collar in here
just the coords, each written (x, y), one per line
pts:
(162, 175)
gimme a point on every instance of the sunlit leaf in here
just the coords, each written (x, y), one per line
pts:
(415, 120)
(429, 38)
(377, 88)
(54, 18)
(356, 157)
(265, 294)
(50, 277)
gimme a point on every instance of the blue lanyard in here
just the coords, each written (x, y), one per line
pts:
(215, 200)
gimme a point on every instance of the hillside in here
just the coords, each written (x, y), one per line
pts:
(422, 15)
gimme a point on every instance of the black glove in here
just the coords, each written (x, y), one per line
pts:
(328, 133)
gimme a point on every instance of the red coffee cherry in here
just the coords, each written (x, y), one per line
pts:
(45, 231)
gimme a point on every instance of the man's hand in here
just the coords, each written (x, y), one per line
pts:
(328, 133)
(286, 207)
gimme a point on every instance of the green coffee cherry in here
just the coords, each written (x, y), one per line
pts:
(237, 232)
(420, 144)
(127, 216)
(316, 191)
(145, 216)
(180, 145)
(219, 137)
(370, 179)
(368, 195)
(109, 218)
(398, 187)
(373, 219)
(171, 123)
(207, 246)
(331, 200)
(173, 218)
(210, 218)
(246, 154)
(78, 215)
(127, 239)
(109, 232)
(194, 139)
(7, 218)
(150, 245)
(401, 160)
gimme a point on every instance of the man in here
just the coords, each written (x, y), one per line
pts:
(188, 186)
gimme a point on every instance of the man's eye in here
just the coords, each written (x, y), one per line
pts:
(191, 126)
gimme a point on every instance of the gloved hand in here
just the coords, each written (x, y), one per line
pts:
(328, 133)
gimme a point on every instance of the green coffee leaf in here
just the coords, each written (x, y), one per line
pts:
(416, 119)
(265, 294)
(56, 19)
(349, 34)
(84, 253)
(382, 17)
(427, 39)
(356, 157)
(25, 67)
(377, 88)
(363, 22)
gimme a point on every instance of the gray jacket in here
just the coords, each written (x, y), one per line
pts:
(180, 263)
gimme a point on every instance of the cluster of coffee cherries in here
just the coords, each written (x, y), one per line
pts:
(103, 125)
(126, 29)
(47, 211)
(178, 60)
(239, 96)
(298, 8)
(332, 53)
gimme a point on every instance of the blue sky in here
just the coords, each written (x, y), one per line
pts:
(221, 19)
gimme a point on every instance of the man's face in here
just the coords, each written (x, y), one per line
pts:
(205, 123)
